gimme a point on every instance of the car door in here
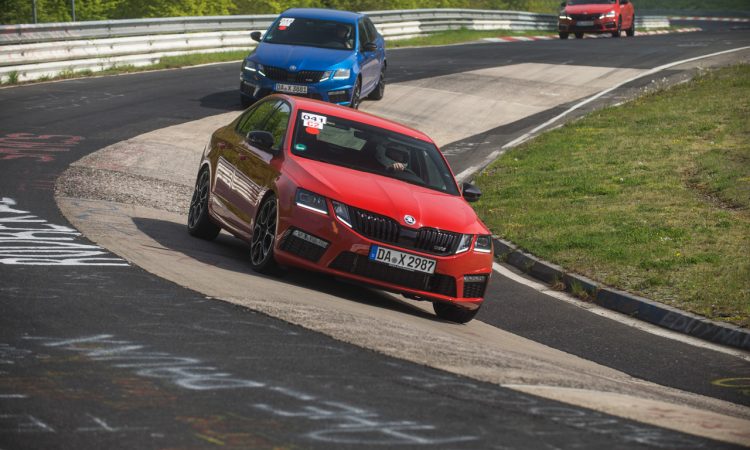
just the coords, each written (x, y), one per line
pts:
(626, 12)
(376, 37)
(231, 156)
(368, 60)
(255, 172)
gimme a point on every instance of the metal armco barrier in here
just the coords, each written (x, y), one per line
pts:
(29, 52)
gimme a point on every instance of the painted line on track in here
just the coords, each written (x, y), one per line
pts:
(526, 136)
(547, 37)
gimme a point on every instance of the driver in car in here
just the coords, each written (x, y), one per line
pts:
(394, 157)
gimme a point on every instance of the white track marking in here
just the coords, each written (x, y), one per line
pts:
(494, 155)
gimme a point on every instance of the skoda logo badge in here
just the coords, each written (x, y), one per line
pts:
(409, 220)
(292, 68)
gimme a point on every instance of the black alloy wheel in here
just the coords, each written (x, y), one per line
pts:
(264, 237)
(379, 90)
(356, 92)
(617, 33)
(563, 35)
(579, 35)
(199, 223)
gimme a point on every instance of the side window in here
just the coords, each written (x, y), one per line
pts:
(278, 123)
(363, 37)
(254, 118)
(371, 30)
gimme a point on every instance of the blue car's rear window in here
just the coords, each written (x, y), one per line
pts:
(312, 33)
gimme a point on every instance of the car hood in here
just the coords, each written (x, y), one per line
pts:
(305, 58)
(387, 196)
(589, 9)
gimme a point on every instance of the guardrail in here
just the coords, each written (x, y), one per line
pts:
(30, 52)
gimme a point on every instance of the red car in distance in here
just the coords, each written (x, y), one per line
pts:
(596, 16)
(330, 189)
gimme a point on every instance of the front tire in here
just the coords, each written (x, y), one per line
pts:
(379, 90)
(564, 35)
(264, 237)
(453, 313)
(616, 34)
(356, 92)
(579, 35)
(199, 222)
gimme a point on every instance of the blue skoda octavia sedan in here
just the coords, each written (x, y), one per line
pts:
(334, 56)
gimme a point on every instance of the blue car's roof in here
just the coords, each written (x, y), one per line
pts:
(323, 14)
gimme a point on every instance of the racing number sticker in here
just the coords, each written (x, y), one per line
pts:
(313, 123)
(285, 22)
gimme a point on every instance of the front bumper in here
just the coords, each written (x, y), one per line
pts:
(327, 245)
(606, 25)
(255, 87)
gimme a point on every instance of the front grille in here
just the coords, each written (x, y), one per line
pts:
(375, 226)
(584, 16)
(385, 229)
(474, 289)
(361, 265)
(303, 76)
(300, 247)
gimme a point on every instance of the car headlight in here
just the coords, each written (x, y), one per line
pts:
(563, 16)
(609, 14)
(342, 74)
(464, 243)
(250, 66)
(309, 200)
(342, 212)
(483, 243)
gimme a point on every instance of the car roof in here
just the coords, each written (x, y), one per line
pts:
(323, 14)
(353, 114)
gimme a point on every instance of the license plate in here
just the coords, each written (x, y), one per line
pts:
(585, 23)
(402, 260)
(290, 88)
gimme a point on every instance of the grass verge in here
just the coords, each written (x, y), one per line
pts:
(652, 196)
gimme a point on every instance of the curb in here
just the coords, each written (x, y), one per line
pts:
(623, 302)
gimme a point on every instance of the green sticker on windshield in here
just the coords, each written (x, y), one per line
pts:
(300, 147)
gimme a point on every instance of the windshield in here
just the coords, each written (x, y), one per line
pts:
(366, 148)
(591, 2)
(312, 33)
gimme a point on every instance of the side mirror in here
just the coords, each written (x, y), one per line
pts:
(262, 139)
(471, 193)
(255, 35)
(370, 47)
(562, 4)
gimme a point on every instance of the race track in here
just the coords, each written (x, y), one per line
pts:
(159, 340)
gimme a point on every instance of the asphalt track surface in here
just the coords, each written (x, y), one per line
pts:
(241, 379)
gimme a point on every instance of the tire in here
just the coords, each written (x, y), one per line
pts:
(199, 222)
(563, 35)
(616, 34)
(264, 237)
(579, 35)
(630, 32)
(356, 91)
(453, 313)
(379, 90)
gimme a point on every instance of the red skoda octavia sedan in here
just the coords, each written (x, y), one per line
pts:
(327, 188)
(596, 16)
